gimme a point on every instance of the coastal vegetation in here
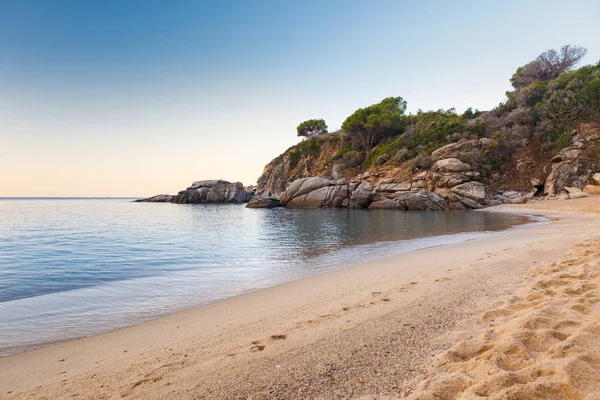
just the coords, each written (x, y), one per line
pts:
(549, 100)
(312, 128)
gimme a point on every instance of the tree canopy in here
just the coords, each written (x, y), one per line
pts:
(368, 126)
(548, 65)
(312, 128)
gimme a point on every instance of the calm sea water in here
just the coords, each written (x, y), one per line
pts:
(77, 267)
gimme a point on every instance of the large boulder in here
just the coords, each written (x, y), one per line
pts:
(392, 187)
(451, 165)
(573, 165)
(474, 192)
(315, 192)
(263, 202)
(596, 178)
(510, 197)
(422, 200)
(461, 149)
(362, 196)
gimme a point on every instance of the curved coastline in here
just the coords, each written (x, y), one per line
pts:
(361, 300)
(331, 261)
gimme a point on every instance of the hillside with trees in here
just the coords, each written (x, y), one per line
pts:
(552, 107)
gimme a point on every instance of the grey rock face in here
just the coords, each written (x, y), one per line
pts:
(423, 200)
(461, 149)
(263, 202)
(213, 191)
(315, 192)
(273, 181)
(362, 196)
(451, 165)
(475, 191)
(573, 165)
(510, 197)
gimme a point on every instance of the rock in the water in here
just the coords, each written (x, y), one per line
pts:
(315, 192)
(451, 165)
(159, 198)
(423, 200)
(214, 191)
(362, 196)
(263, 202)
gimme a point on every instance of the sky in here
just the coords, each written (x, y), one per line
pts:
(140, 97)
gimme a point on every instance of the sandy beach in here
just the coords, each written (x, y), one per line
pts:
(507, 316)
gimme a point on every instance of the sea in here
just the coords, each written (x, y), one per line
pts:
(74, 267)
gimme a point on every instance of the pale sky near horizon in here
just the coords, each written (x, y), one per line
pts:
(135, 98)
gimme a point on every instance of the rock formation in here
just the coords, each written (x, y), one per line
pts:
(263, 202)
(574, 165)
(200, 192)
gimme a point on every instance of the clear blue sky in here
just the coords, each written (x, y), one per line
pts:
(141, 97)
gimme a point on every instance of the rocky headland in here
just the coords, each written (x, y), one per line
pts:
(542, 142)
(210, 191)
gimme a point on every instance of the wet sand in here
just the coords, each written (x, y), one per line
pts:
(374, 329)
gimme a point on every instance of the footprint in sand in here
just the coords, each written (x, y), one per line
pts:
(258, 345)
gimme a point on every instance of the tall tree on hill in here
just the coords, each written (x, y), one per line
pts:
(368, 126)
(548, 65)
(312, 128)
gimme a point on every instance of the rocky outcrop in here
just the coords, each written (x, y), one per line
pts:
(159, 198)
(426, 191)
(273, 180)
(451, 165)
(263, 202)
(315, 192)
(474, 194)
(361, 194)
(201, 192)
(461, 150)
(574, 165)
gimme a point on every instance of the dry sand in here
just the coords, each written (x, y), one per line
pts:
(374, 329)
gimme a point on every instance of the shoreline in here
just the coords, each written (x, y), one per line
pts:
(235, 337)
(402, 246)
